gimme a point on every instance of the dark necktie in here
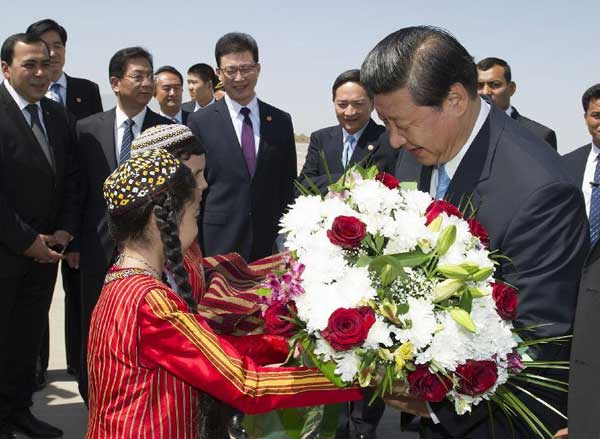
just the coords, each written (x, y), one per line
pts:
(38, 132)
(595, 205)
(248, 145)
(127, 140)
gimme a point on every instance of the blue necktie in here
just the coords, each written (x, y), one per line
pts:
(443, 182)
(127, 140)
(348, 150)
(595, 205)
(55, 88)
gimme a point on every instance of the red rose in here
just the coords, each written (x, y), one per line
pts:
(439, 206)
(274, 324)
(476, 377)
(347, 232)
(348, 327)
(478, 230)
(506, 301)
(388, 180)
(428, 386)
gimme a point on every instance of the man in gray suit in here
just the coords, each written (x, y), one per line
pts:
(424, 84)
(495, 80)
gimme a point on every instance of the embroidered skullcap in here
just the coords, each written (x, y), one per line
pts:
(169, 137)
(219, 86)
(138, 179)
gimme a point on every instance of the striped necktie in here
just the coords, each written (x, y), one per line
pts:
(595, 205)
(127, 141)
(348, 150)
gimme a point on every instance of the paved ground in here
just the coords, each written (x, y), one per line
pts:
(59, 403)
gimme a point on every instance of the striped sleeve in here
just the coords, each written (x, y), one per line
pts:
(183, 344)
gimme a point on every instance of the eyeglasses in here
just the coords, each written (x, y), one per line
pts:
(140, 77)
(244, 70)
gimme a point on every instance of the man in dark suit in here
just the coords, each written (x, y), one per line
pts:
(252, 158)
(354, 140)
(495, 80)
(168, 91)
(81, 97)
(103, 141)
(38, 186)
(518, 190)
(202, 80)
(583, 165)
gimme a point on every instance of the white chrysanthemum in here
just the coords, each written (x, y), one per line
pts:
(454, 345)
(422, 323)
(303, 216)
(480, 257)
(406, 232)
(372, 197)
(323, 260)
(347, 365)
(416, 201)
(324, 350)
(331, 208)
(379, 334)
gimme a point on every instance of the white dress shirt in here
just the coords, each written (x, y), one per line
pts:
(453, 164)
(588, 176)
(178, 118)
(509, 111)
(22, 103)
(198, 106)
(120, 119)
(238, 119)
(62, 81)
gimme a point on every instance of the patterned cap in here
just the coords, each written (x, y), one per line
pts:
(138, 179)
(168, 137)
(219, 86)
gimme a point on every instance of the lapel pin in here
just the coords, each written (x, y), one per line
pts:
(269, 118)
(78, 100)
(370, 147)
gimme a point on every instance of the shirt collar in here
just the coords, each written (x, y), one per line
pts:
(509, 111)
(453, 164)
(197, 106)
(178, 116)
(235, 107)
(62, 81)
(20, 101)
(138, 118)
(356, 135)
(595, 150)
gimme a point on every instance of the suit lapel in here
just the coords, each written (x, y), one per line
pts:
(53, 136)
(230, 141)
(106, 137)
(266, 134)
(334, 150)
(425, 179)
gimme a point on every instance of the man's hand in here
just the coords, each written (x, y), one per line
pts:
(562, 434)
(408, 404)
(40, 252)
(73, 260)
(61, 237)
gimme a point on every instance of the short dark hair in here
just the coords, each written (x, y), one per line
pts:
(591, 94)
(488, 63)
(41, 27)
(7, 53)
(425, 59)
(204, 72)
(118, 62)
(169, 69)
(235, 42)
(352, 75)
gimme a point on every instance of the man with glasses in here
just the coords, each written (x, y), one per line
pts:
(103, 142)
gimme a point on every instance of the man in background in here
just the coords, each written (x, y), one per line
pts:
(168, 92)
(495, 80)
(81, 97)
(201, 81)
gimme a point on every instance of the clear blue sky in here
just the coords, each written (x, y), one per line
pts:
(552, 46)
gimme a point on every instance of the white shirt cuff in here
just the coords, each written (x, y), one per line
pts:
(432, 415)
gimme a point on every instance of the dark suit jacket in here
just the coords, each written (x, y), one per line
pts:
(536, 217)
(241, 213)
(574, 163)
(330, 141)
(188, 106)
(33, 197)
(96, 151)
(184, 116)
(83, 97)
(543, 132)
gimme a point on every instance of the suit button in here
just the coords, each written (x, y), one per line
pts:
(249, 213)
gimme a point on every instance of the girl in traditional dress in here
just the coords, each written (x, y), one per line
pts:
(149, 351)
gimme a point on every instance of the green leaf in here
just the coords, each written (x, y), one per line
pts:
(378, 264)
(409, 185)
(387, 275)
(379, 241)
(466, 301)
(477, 292)
(412, 259)
(446, 239)
(327, 368)
(265, 292)
(482, 274)
(541, 401)
(463, 318)
(364, 261)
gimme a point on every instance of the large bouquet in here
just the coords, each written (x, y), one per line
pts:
(389, 288)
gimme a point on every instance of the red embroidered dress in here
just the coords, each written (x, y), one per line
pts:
(147, 354)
